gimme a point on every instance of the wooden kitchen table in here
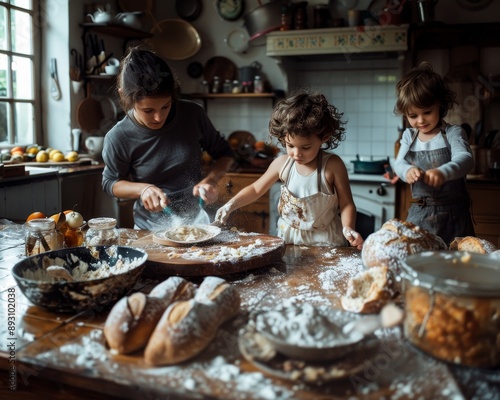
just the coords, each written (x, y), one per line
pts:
(64, 356)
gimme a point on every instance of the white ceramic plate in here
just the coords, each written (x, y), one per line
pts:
(237, 40)
(203, 233)
(175, 39)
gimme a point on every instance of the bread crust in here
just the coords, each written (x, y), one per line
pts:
(394, 241)
(188, 327)
(133, 318)
(473, 244)
(368, 291)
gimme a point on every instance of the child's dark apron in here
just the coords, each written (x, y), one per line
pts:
(444, 211)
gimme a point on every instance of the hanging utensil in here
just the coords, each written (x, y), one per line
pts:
(55, 90)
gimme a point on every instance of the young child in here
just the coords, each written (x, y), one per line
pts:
(316, 205)
(434, 156)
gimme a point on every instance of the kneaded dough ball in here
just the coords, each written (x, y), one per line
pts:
(394, 241)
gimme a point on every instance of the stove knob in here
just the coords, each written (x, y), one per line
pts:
(381, 190)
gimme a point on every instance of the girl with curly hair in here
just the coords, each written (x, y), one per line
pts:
(434, 157)
(316, 205)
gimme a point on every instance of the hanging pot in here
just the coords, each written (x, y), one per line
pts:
(263, 19)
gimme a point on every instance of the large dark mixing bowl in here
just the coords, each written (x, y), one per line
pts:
(73, 296)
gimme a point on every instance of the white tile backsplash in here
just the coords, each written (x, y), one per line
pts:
(363, 90)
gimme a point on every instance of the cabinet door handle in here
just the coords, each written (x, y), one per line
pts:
(229, 187)
(263, 215)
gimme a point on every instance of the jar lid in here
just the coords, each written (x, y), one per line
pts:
(102, 223)
(41, 224)
(456, 272)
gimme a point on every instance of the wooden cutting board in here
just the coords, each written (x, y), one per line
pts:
(228, 253)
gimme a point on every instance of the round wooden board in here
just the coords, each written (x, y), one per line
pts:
(204, 259)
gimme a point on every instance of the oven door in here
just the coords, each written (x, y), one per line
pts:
(369, 217)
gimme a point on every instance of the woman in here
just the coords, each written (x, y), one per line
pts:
(154, 154)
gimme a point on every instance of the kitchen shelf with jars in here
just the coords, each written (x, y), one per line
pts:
(359, 39)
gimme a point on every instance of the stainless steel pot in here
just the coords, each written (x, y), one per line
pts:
(263, 19)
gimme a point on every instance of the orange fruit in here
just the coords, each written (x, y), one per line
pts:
(35, 215)
(73, 237)
(260, 145)
(17, 149)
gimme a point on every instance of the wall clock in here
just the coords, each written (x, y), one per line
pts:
(230, 10)
(473, 5)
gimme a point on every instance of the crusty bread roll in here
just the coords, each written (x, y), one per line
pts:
(187, 327)
(394, 241)
(368, 291)
(473, 245)
(133, 318)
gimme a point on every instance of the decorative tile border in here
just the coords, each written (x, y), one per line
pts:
(338, 40)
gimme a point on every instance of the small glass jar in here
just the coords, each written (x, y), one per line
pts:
(205, 87)
(258, 84)
(227, 86)
(236, 86)
(102, 232)
(41, 236)
(216, 86)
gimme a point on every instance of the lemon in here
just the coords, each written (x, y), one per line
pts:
(52, 152)
(42, 156)
(58, 157)
(72, 156)
(32, 150)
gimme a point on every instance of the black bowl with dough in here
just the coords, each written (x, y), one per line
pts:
(79, 278)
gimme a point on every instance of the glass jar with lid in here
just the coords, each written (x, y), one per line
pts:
(102, 232)
(41, 236)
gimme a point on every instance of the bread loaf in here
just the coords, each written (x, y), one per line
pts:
(187, 327)
(473, 245)
(368, 291)
(394, 241)
(133, 318)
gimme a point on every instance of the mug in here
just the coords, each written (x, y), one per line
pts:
(94, 145)
(114, 62)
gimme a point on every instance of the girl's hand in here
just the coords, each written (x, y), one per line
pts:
(414, 174)
(153, 198)
(353, 237)
(222, 215)
(434, 178)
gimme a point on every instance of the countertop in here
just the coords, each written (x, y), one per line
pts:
(65, 356)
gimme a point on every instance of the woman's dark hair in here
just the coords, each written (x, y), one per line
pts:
(422, 88)
(304, 114)
(144, 74)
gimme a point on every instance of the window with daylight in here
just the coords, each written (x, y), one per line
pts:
(17, 72)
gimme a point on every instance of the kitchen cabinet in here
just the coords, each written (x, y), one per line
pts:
(19, 198)
(251, 218)
(485, 197)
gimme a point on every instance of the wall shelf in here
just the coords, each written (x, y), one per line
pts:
(116, 30)
(361, 39)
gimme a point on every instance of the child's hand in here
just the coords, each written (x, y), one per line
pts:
(353, 237)
(414, 174)
(222, 215)
(434, 178)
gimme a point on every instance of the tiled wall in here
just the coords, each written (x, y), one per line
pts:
(363, 90)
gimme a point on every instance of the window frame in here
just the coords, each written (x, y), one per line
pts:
(35, 58)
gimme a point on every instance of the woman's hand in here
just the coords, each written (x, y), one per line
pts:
(153, 198)
(353, 237)
(414, 174)
(434, 178)
(207, 192)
